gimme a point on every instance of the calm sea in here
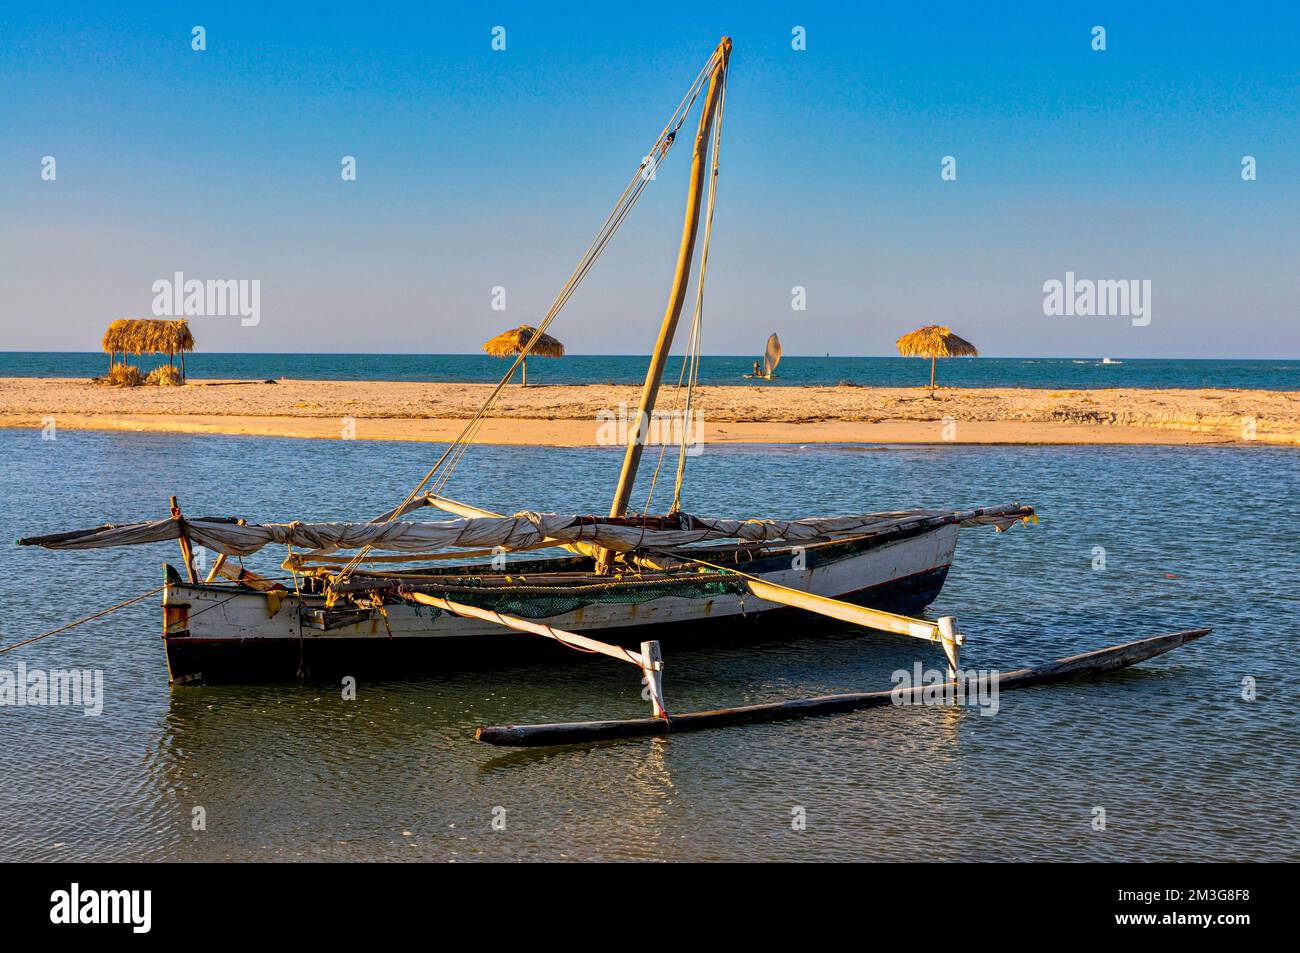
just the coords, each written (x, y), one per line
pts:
(600, 369)
(1183, 766)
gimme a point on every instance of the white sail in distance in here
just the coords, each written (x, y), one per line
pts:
(772, 356)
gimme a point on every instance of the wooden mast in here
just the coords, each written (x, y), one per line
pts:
(681, 278)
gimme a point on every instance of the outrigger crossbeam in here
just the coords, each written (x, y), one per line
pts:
(649, 659)
(944, 631)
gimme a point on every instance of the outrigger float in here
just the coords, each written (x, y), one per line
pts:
(625, 582)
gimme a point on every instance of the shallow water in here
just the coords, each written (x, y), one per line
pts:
(1184, 768)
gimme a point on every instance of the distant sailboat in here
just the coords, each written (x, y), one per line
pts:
(771, 358)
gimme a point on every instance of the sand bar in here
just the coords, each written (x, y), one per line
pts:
(568, 415)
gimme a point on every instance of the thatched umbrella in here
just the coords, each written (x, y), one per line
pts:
(143, 336)
(510, 343)
(935, 341)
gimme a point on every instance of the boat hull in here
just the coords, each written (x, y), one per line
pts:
(217, 633)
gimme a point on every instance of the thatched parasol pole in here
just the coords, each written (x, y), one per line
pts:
(935, 341)
(517, 340)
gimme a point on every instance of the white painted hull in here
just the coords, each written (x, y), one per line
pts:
(208, 620)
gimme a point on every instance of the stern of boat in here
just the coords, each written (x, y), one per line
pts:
(176, 625)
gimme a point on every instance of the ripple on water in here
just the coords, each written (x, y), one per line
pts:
(1184, 769)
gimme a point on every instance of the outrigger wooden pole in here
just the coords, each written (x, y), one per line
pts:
(677, 296)
(1076, 666)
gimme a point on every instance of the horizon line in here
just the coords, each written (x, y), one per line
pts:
(745, 356)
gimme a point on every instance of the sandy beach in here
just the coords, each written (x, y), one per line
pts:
(568, 415)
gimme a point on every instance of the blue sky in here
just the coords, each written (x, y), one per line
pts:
(478, 168)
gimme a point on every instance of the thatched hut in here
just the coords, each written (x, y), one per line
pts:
(935, 341)
(513, 342)
(143, 336)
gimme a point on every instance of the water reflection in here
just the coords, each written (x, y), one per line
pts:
(1184, 767)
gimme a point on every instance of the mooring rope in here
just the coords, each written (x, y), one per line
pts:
(70, 625)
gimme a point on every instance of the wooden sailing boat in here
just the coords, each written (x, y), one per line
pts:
(403, 596)
(766, 369)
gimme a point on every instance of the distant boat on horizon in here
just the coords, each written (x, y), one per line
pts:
(771, 358)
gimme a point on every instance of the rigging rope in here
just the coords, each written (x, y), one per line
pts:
(663, 446)
(631, 193)
(696, 326)
(451, 457)
(691, 357)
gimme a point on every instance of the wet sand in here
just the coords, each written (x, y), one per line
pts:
(570, 415)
